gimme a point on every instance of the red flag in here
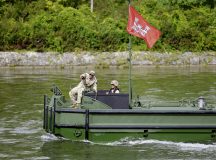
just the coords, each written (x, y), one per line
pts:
(139, 27)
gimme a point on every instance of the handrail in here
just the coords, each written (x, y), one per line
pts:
(138, 126)
(129, 111)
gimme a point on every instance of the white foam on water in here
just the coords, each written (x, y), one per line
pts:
(39, 158)
(195, 146)
(178, 145)
(49, 137)
(87, 141)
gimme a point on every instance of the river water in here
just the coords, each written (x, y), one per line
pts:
(21, 112)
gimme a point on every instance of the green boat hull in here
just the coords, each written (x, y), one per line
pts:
(100, 123)
(163, 135)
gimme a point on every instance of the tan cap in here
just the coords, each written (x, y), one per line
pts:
(83, 76)
(92, 73)
(114, 82)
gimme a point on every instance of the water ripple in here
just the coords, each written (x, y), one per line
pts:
(25, 130)
(38, 158)
(8, 141)
(4, 155)
(2, 130)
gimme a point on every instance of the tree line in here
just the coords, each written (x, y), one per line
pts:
(69, 25)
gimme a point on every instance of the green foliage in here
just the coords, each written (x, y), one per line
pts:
(72, 3)
(69, 25)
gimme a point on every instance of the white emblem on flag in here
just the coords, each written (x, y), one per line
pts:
(139, 29)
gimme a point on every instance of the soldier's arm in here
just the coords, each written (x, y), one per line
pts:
(94, 87)
(88, 81)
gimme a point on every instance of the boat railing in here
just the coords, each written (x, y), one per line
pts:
(199, 103)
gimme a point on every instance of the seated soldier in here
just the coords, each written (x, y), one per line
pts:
(114, 87)
(76, 92)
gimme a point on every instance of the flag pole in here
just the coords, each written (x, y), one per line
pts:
(139, 27)
(129, 60)
(92, 5)
(130, 84)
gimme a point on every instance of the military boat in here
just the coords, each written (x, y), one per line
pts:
(109, 117)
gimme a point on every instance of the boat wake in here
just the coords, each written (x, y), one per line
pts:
(168, 144)
(49, 137)
(183, 146)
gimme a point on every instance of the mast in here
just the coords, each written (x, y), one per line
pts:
(92, 5)
(130, 84)
(129, 60)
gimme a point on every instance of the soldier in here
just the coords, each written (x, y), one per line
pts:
(114, 87)
(88, 83)
(91, 82)
(76, 92)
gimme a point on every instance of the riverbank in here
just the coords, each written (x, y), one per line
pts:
(104, 59)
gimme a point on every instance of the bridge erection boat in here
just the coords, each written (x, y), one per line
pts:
(110, 117)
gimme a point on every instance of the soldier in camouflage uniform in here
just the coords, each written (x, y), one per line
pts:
(88, 83)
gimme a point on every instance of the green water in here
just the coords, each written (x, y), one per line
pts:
(21, 112)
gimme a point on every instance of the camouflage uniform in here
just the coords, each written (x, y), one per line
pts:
(88, 83)
(91, 82)
(78, 90)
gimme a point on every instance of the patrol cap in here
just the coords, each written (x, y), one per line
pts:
(114, 82)
(83, 76)
(92, 73)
